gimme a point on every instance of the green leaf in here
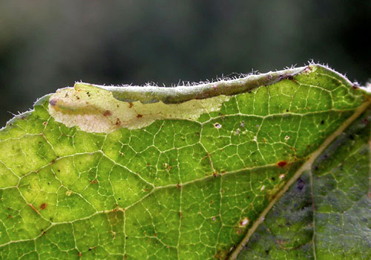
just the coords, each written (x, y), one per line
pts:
(275, 166)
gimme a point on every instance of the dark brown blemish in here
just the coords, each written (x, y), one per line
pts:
(107, 113)
(118, 122)
(43, 206)
(322, 122)
(130, 105)
(281, 164)
(139, 116)
(94, 181)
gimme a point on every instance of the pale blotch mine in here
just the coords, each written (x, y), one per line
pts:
(95, 109)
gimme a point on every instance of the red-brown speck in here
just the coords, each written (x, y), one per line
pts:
(282, 164)
(43, 206)
(107, 113)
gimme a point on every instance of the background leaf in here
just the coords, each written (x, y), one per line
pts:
(326, 214)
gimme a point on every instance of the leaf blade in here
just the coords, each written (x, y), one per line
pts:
(187, 188)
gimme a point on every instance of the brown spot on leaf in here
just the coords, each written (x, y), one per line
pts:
(139, 116)
(43, 206)
(281, 164)
(107, 113)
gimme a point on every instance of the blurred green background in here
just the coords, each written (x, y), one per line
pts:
(45, 45)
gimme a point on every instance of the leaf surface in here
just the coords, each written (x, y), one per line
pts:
(197, 172)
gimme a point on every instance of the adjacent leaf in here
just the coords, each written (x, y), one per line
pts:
(327, 212)
(191, 172)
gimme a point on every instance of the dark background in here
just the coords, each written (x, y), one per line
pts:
(45, 45)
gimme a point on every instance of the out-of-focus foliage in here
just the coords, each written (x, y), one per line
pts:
(45, 45)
